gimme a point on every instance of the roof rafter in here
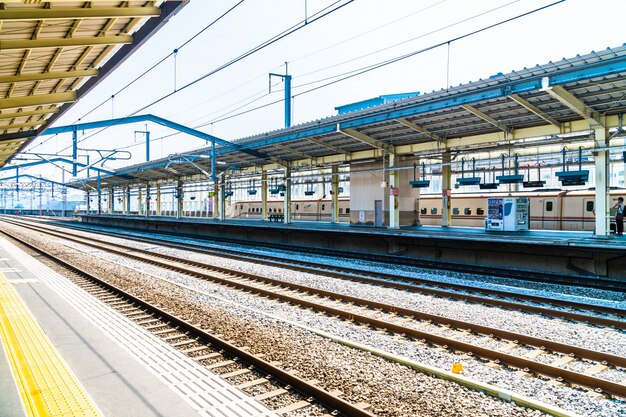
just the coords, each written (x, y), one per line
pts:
(59, 43)
(288, 149)
(28, 113)
(327, 146)
(575, 104)
(485, 117)
(420, 129)
(48, 76)
(76, 13)
(21, 125)
(37, 100)
(524, 103)
(374, 143)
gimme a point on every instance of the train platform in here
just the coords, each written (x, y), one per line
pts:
(562, 252)
(65, 353)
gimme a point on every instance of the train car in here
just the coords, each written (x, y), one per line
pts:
(301, 210)
(550, 209)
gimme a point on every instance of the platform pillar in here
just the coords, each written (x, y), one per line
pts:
(158, 198)
(88, 203)
(148, 199)
(111, 202)
(287, 200)
(264, 188)
(446, 189)
(127, 200)
(139, 202)
(602, 183)
(179, 199)
(335, 194)
(222, 198)
(394, 204)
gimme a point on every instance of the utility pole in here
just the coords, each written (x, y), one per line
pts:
(147, 133)
(287, 78)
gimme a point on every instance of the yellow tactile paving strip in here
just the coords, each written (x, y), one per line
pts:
(46, 384)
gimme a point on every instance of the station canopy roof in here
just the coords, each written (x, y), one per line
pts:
(558, 98)
(54, 52)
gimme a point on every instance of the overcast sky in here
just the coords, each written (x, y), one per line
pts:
(362, 33)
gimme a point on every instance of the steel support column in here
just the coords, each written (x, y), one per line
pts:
(139, 202)
(264, 187)
(88, 202)
(158, 202)
(222, 198)
(287, 200)
(99, 195)
(394, 205)
(127, 200)
(446, 189)
(148, 199)
(602, 183)
(335, 194)
(111, 202)
(179, 200)
(75, 152)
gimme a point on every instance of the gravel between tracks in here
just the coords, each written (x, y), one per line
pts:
(562, 292)
(393, 390)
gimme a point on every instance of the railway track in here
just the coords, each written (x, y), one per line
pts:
(597, 282)
(424, 328)
(466, 293)
(265, 381)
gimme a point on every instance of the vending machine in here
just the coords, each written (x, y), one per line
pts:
(494, 220)
(510, 214)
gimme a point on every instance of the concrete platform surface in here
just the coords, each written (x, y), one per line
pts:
(125, 370)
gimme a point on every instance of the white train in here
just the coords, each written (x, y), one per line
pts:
(549, 209)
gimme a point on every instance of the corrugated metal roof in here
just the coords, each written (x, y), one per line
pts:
(598, 79)
(52, 53)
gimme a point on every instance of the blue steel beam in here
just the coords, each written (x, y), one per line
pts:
(51, 161)
(135, 119)
(580, 73)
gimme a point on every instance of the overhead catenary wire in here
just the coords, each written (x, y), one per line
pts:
(155, 65)
(362, 70)
(368, 68)
(300, 76)
(337, 5)
(390, 61)
(264, 74)
(227, 115)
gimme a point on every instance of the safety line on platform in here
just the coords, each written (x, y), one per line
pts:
(45, 382)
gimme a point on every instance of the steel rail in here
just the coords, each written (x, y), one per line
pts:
(325, 397)
(520, 274)
(356, 275)
(549, 370)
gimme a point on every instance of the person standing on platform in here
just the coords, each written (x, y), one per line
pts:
(619, 216)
